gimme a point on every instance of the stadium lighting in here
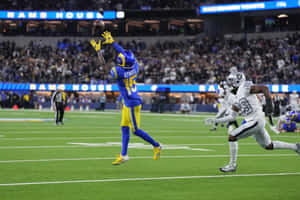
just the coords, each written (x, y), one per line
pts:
(152, 21)
(282, 16)
(61, 15)
(120, 14)
(194, 20)
(249, 6)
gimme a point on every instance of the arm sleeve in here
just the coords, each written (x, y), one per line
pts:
(221, 112)
(101, 58)
(118, 47)
(229, 118)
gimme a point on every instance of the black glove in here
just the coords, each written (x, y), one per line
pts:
(269, 106)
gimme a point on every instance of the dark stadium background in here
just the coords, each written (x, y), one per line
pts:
(174, 43)
(183, 55)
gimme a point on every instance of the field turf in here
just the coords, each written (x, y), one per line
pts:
(39, 160)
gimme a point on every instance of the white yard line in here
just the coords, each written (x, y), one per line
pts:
(54, 128)
(149, 179)
(94, 146)
(97, 130)
(149, 157)
(42, 147)
(60, 138)
(103, 137)
(118, 137)
(185, 120)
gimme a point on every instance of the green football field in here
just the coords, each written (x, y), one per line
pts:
(41, 161)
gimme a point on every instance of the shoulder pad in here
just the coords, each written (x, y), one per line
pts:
(247, 84)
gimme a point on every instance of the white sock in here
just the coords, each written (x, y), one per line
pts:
(230, 128)
(279, 121)
(278, 124)
(284, 145)
(233, 147)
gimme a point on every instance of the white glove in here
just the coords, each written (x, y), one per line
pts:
(210, 121)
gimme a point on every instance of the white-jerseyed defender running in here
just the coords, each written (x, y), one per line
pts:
(248, 106)
(226, 104)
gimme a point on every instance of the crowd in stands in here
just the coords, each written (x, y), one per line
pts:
(192, 61)
(107, 4)
(97, 4)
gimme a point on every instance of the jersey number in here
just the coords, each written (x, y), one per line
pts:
(246, 108)
(130, 84)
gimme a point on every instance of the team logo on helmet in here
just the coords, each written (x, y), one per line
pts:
(126, 60)
(235, 79)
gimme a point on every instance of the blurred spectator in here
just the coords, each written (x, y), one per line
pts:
(102, 101)
(185, 107)
(192, 61)
(119, 102)
(193, 103)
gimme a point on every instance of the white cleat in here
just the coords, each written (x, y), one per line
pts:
(298, 148)
(275, 130)
(228, 168)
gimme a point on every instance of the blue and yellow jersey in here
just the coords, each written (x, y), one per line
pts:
(126, 80)
(126, 77)
(294, 116)
(289, 126)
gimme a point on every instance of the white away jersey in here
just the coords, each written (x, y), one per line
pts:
(294, 98)
(248, 104)
(229, 99)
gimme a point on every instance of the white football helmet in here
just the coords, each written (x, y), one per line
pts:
(223, 84)
(236, 79)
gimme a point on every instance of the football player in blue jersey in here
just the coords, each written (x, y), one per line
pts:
(125, 74)
(294, 116)
(286, 125)
(287, 122)
(289, 125)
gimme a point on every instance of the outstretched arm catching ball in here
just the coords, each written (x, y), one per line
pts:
(97, 47)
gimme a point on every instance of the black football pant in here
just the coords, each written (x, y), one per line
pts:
(59, 112)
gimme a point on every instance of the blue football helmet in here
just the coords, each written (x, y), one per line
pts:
(288, 121)
(126, 60)
(294, 115)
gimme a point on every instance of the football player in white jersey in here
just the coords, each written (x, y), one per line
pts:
(226, 103)
(294, 100)
(248, 106)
